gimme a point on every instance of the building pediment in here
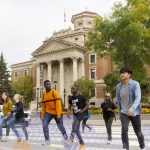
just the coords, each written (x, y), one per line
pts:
(54, 45)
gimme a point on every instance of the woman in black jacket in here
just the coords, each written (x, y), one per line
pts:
(19, 117)
(108, 108)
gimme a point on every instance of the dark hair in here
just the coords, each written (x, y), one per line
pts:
(46, 81)
(125, 69)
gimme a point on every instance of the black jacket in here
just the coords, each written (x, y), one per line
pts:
(19, 110)
(105, 106)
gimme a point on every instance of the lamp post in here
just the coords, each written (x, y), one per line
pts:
(64, 97)
(37, 98)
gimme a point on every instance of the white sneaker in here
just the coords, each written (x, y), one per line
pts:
(4, 139)
(109, 142)
(143, 148)
(47, 142)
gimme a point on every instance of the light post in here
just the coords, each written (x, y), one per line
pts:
(37, 98)
(64, 97)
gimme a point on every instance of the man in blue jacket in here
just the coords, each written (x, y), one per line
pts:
(128, 96)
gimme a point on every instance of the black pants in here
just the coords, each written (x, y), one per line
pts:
(108, 123)
(136, 123)
(77, 118)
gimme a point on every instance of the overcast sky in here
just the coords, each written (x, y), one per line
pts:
(24, 24)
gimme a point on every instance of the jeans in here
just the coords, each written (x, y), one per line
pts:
(84, 124)
(20, 121)
(77, 118)
(2, 121)
(48, 117)
(136, 123)
(108, 123)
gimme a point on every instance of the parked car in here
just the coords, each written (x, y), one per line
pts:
(26, 112)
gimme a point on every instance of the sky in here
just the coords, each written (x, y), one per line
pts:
(25, 24)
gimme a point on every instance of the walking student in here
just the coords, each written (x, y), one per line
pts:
(108, 109)
(51, 108)
(7, 115)
(86, 116)
(128, 96)
(79, 104)
(19, 117)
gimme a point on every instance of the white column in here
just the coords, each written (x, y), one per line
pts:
(82, 65)
(49, 72)
(61, 61)
(75, 69)
(38, 75)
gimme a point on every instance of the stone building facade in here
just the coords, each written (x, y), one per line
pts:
(63, 59)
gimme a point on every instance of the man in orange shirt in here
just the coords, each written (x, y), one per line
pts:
(51, 108)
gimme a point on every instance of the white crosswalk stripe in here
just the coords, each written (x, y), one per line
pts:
(94, 140)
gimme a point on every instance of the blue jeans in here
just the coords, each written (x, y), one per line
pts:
(136, 123)
(22, 122)
(48, 117)
(77, 118)
(2, 120)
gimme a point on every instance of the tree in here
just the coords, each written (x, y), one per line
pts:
(124, 36)
(111, 80)
(4, 77)
(24, 87)
(85, 87)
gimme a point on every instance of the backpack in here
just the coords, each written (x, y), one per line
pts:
(62, 105)
(54, 99)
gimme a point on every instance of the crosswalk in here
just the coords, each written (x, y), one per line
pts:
(96, 139)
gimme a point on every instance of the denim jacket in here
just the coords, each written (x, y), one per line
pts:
(134, 97)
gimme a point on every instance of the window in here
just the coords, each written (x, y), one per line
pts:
(93, 73)
(26, 72)
(92, 58)
(16, 74)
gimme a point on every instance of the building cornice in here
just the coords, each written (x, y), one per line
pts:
(69, 45)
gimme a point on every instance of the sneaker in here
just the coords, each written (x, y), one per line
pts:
(19, 140)
(109, 142)
(47, 142)
(69, 142)
(4, 139)
(90, 129)
(143, 148)
(81, 147)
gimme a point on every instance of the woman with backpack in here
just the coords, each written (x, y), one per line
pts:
(86, 116)
(108, 108)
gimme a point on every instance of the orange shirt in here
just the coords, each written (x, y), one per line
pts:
(52, 107)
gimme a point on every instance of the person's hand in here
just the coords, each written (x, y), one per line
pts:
(2, 116)
(129, 113)
(5, 117)
(42, 118)
(58, 118)
(109, 109)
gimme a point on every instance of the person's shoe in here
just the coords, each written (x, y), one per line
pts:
(143, 148)
(69, 142)
(47, 142)
(4, 139)
(90, 129)
(81, 147)
(109, 142)
(19, 140)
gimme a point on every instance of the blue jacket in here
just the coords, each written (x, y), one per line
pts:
(134, 97)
